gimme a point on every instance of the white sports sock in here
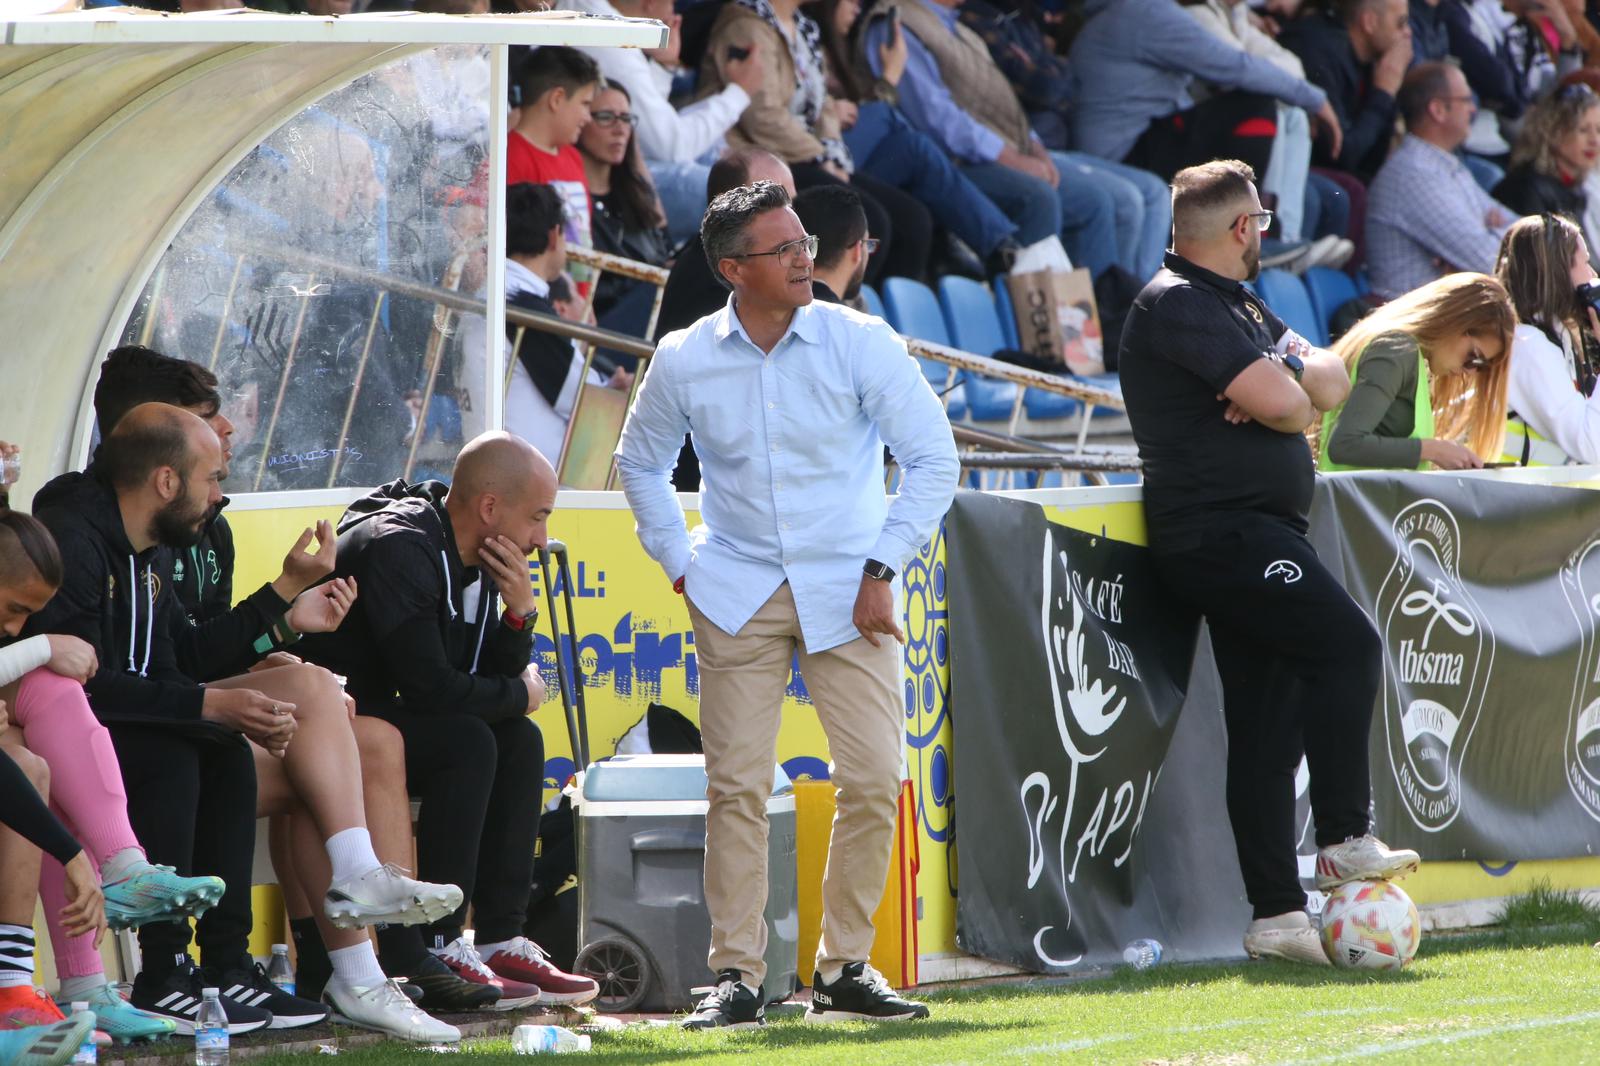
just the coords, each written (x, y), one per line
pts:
(76, 988)
(121, 864)
(357, 965)
(16, 955)
(829, 976)
(350, 852)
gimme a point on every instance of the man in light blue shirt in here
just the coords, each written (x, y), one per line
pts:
(790, 404)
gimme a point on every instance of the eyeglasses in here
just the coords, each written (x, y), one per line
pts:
(870, 244)
(605, 119)
(785, 252)
(1263, 219)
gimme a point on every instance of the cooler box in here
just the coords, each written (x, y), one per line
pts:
(642, 923)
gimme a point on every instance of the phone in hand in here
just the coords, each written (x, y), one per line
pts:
(894, 25)
(736, 54)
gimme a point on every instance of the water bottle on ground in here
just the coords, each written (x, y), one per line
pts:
(279, 971)
(546, 1039)
(87, 1054)
(211, 1031)
(1142, 954)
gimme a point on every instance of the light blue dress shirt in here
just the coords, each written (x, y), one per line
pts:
(791, 461)
(926, 100)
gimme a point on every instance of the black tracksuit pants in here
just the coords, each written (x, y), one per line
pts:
(192, 804)
(1301, 666)
(481, 785)
(1232, 125)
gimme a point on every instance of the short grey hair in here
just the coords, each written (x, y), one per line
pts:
(722, 230)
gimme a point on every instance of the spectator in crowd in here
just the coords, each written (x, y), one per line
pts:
(887, 146)
(430, 651)
(954, 92)
(628, 219)
(1357, 51)
(1219, 396)
(1553, 414)
(1542, 41)
(1135, 61)
(31, 1020)
(847, 389)
(1426, 215)
(1429, 371)
(1015, 35)
(675, 143)
(334, 962)
(1590, 222)
(556, 85)
(832, 214)
(546, 368)
(795, 118)
(1557, 147)
(191, 780)
(1297, 195)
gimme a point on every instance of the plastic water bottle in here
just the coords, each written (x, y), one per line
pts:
(546, 1039)
(211, 1031)
(1143, 953)
(87, 1054)
(279, 971)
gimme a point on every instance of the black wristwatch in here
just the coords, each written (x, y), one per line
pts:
(878, 571)
(1295, 364)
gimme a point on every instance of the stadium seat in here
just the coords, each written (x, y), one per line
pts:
(1283, 292)
(1363, 281)
(1002, 307)
(874, 302)
(913, 311)
(975, 326)
(1329, 290)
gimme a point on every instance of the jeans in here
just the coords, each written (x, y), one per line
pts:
(1287, 169)
(1106, 213)
(682, 188)
(1327, 208)
(888, 148)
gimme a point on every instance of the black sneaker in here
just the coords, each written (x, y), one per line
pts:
(249, 985)
(176, 994)
(861, 994)
(730, 1005)
(444, 992)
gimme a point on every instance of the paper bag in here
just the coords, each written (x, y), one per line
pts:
(1057, 318)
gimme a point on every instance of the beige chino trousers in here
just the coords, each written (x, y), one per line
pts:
(856, 690)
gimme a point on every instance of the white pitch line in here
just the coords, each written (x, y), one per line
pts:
(1085, 1043)
(1366, 1051)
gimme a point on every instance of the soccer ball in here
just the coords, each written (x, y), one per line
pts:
(1370, 925)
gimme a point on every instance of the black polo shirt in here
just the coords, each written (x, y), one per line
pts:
(1190, 333)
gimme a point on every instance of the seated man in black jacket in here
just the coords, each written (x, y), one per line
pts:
(193, 756)
(429, 650)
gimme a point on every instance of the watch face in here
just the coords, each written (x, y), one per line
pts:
(1294, 362)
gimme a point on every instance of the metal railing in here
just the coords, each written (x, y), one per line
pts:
(449, 302)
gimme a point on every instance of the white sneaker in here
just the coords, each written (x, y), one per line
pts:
(386, 1009)
(1363, 858)
(1287, 936)
(1331, 251)
(385, 894)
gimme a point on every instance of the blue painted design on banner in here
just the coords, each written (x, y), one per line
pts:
(558, 770)
(1497, 871)
(806, 768)
(927, 695)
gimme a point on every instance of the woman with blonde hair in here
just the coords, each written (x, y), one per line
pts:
(1557, 146)
(1554, 415)
(1428, 373)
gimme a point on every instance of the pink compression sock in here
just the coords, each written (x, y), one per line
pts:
(85, 790)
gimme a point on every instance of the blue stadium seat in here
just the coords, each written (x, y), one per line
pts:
(913, 311)
(1329, 290)
(1002, 307)
(874, 302)
(1363, 281)
(1283, 292)
(976, 326)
